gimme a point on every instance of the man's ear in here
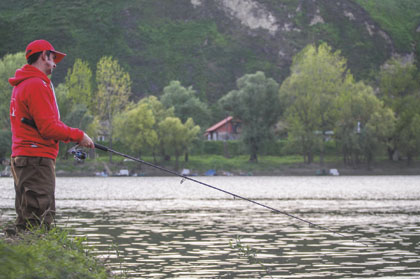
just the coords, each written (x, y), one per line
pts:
(44, 55)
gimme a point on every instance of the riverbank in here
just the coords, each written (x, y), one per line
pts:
(237, 166)
(52, 254)
(222, 166)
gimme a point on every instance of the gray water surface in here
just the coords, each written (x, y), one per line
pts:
(157, 227)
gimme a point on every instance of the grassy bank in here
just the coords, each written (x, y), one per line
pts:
(237, 165)
(52, 254)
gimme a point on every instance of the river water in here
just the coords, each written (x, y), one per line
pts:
(158, 227)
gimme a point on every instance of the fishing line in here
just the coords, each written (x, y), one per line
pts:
(107, 149)
(80, 155)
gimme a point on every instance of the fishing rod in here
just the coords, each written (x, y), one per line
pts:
(184, 177)
(80, 155)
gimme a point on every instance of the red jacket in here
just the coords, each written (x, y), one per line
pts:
(34, 99)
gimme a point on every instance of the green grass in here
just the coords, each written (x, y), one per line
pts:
(197, 163)
(398, 18)
(52, 254)
(239, 163)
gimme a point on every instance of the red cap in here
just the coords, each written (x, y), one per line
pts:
(41, 45)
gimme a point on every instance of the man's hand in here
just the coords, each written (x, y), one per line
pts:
(87, 141)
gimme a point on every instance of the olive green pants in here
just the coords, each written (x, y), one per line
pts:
(34, 179)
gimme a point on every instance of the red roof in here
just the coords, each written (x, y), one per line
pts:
(219, 124)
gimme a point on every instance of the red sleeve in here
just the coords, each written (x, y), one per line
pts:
(43, 109)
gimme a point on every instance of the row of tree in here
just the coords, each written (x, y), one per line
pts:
(365, 118)
(159, 126)
(321, 96)
(319, 101)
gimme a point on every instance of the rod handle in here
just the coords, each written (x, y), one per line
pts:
(101, 147)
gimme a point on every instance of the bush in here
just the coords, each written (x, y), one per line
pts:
(276, 148)
(48, 255)
(5, 143)
(237, 148)
(234, 148)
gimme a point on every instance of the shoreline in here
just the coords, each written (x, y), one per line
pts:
(93, 168)
(300, 169)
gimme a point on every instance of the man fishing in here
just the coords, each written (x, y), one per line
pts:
(35, 147)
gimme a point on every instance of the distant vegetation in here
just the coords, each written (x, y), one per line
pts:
(401, 19)
(158, 41)
(153, 75)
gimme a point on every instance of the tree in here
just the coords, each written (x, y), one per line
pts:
(79, 84)
(64, 103)
(397, 80)
(5, 143)
(309, 95)
(135, 128)
(114, 90)
(400, 89)
(65, 106)
(73, 114)
(78, 117)
(363, 123)
(178, 137)
(377, 131)
(160, 113)
(8, 65)
(185, 102)
(409, 134)
(256, 104)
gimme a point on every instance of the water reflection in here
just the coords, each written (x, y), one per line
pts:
(166, 230)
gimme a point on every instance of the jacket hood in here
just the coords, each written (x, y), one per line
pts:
(26, 72)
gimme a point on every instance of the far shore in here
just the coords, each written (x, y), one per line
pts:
(226, 167)
(298, 169)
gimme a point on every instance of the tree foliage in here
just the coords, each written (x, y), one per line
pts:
(160, 113)
(64, 103)
(309, 95)
(186, 103)
(408, 127)
(114, 90)
(78, 117)
(256, 104)
(114, 87)
(363, 123)
(135, 128)
(397, 81)
(178, 136)
(5, 143)
(8, 65)
(79, 84)
(72, 114)
(400, 89)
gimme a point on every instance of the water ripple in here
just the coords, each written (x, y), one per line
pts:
(155, 228)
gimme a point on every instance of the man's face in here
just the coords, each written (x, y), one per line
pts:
(49, 62)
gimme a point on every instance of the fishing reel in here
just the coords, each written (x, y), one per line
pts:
(78, 153)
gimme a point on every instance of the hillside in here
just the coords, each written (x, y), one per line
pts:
(209, 44)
